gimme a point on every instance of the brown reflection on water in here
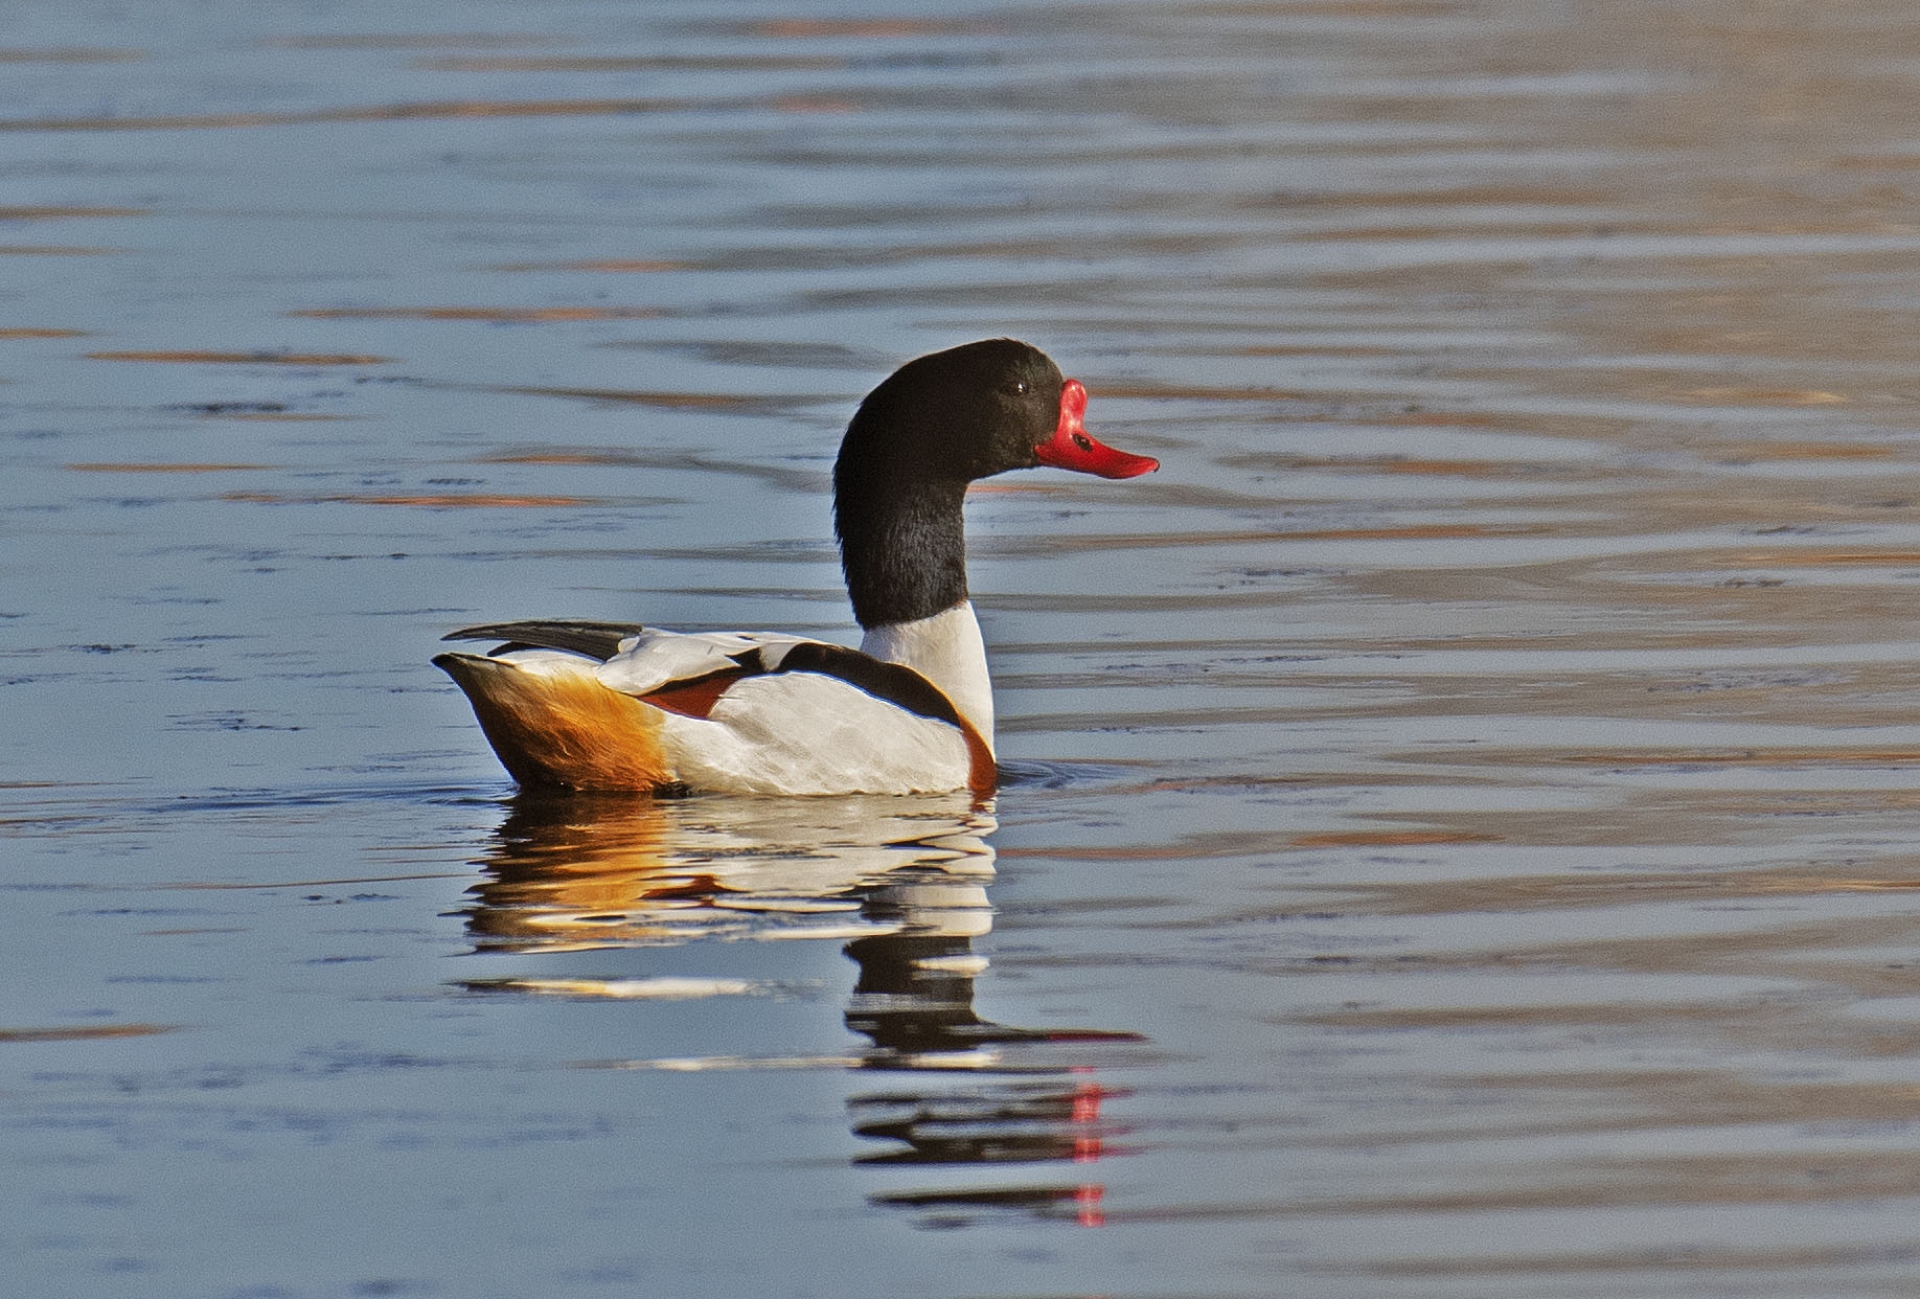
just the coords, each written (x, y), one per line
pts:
(83, 1033)
(53, 212)
(588, 874)
(672, 869)
(71, 54)
(565, 877)
(52, 250)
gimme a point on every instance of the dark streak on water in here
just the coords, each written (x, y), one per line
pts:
(1459, 818)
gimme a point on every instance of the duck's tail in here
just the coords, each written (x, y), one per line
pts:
(554, 727)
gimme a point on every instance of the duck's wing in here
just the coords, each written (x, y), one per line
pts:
(638, 660)
(656, 662)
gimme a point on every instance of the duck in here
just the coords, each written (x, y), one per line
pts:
(592, 706)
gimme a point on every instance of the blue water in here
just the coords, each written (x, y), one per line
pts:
(1458, 818)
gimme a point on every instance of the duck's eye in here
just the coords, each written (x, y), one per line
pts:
(1020, 386)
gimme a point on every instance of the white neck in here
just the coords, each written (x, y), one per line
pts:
(947, 650)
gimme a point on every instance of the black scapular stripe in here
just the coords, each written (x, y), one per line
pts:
(895, 683)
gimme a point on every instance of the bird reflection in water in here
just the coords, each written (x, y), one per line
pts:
(905, 879)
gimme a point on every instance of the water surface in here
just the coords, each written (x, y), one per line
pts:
(1459, 829)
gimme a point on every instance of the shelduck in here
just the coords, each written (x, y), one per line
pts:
(618, 706)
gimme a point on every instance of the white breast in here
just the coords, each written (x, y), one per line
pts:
(946, 649)
(801, 733)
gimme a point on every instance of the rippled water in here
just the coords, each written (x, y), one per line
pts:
(1459, 830)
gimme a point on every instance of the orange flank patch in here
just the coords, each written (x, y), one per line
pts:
(242, 358)
(20, 332)
(694, 699)
(571, 732)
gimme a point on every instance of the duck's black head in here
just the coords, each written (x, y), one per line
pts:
(936, 424)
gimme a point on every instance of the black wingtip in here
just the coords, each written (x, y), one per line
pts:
(599, 640)
(485, 631)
